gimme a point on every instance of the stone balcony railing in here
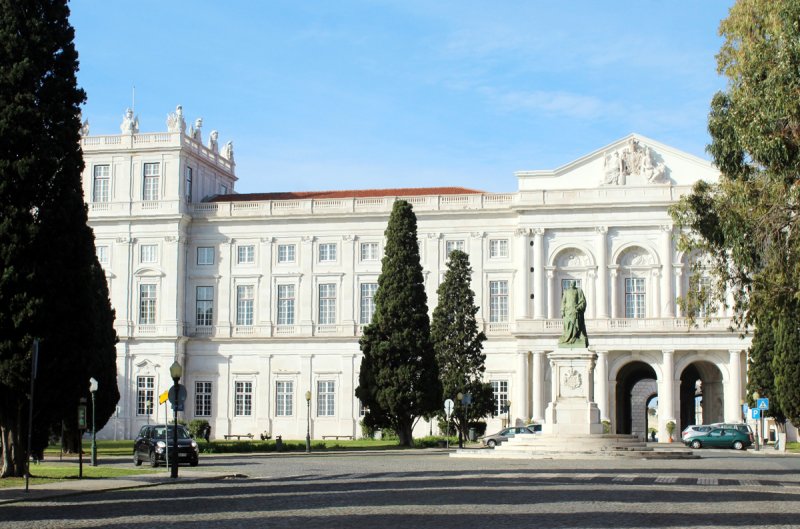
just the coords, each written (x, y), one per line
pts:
(155, 140)
(543, 328)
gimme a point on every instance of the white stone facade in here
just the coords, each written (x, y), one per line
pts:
(263, 297)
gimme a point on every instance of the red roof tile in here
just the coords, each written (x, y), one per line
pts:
(357, 193)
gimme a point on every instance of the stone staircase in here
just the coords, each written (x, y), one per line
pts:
(545, 446)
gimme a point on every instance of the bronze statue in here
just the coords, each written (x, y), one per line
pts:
(573, 305)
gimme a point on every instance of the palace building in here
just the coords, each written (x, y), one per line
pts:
(263, 297)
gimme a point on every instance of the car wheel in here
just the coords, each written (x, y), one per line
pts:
(194, 462)
(697, 444)
(491, 443)
(738, 445)
(153, 459)
(136, 460)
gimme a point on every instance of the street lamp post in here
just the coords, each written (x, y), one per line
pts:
(508, 413)
(308, 422)
(93, 389)
(175, 371)
(460, 398)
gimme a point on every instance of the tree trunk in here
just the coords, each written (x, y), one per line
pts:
(12, 448)
(404, 433)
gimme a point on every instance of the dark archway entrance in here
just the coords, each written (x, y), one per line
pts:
(636, 385)
(702, 400)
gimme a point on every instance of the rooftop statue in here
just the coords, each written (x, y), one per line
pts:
(175, 121)
(573, 305)
(227, 151)
(196, 132)
(130, 123)
(213, 140)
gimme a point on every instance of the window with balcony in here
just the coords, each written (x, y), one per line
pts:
(634, 297)
(205, 306)
(152, 181)
(147, 304)
(498, 301)
(285, 304)
(244, 305)
(102, 183)
(327, 304)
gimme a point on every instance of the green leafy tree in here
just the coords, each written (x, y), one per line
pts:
(746, 225)
(760, 378)
(51, 285)
(399, 379)
(458, 344)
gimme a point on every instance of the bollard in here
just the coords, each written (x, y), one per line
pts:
(278, 443)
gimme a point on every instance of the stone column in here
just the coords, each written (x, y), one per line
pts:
(537, 386)
(522, 288)
(552, 308)
(602, 272)
(666, 396)
(655, 285)
(601, 385)
(668, 302)
(614, 293)
(678, 271)
(521, 408)
(733, 391)
(538, 273)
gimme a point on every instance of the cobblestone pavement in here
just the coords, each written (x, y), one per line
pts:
(427, 489)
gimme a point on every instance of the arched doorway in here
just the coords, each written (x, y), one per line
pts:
(636, 386)
(702, 398)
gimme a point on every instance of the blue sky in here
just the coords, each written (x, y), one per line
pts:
(358, 94)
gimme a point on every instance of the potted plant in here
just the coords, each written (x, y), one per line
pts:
(670, 429)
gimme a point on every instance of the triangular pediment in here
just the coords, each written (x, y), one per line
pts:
(633, 161)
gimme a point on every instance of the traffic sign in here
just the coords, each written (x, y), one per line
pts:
(745, 407)
(181, 395)
(448, 407)
(762, 404)
(755, 413)
(163, 397)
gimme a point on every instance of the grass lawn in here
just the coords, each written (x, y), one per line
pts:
(104, 448)
(48, 473)
(793, 447)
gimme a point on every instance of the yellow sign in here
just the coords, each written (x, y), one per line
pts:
(163, 397)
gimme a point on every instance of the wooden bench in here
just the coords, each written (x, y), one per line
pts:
(238, 436)
(337, 437)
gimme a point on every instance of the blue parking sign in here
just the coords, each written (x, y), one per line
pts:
(755, 413)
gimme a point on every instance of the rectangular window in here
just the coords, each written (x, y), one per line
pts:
(205, 255)
(369, 251)
(152, 181)
(205, 306)
(148, 253)
(327, 304)
(498, 301)
(243, 399)
(362, 410)
(498, 248)
(500, 394)
(144, 395)
(102, 183)
(285, 304)
(147, 304)
(327, 252)
(246, 254)
(189, 184)
(325, 398)
(368, 302)
(286, 253)
(284, 398)
(102, 254)
(244, 305)
(704, 287)
(202, 399)
(449, 246)
(634, 297)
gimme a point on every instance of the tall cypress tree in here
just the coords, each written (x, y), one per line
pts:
(458, 343)
(399, 379)
(786, 366)
(760, 378)
(51, 285)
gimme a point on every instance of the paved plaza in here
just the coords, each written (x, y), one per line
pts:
(427, 489)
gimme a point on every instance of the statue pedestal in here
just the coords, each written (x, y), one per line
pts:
(572, 410)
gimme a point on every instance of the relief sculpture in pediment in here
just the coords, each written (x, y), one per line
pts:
(634, 159)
